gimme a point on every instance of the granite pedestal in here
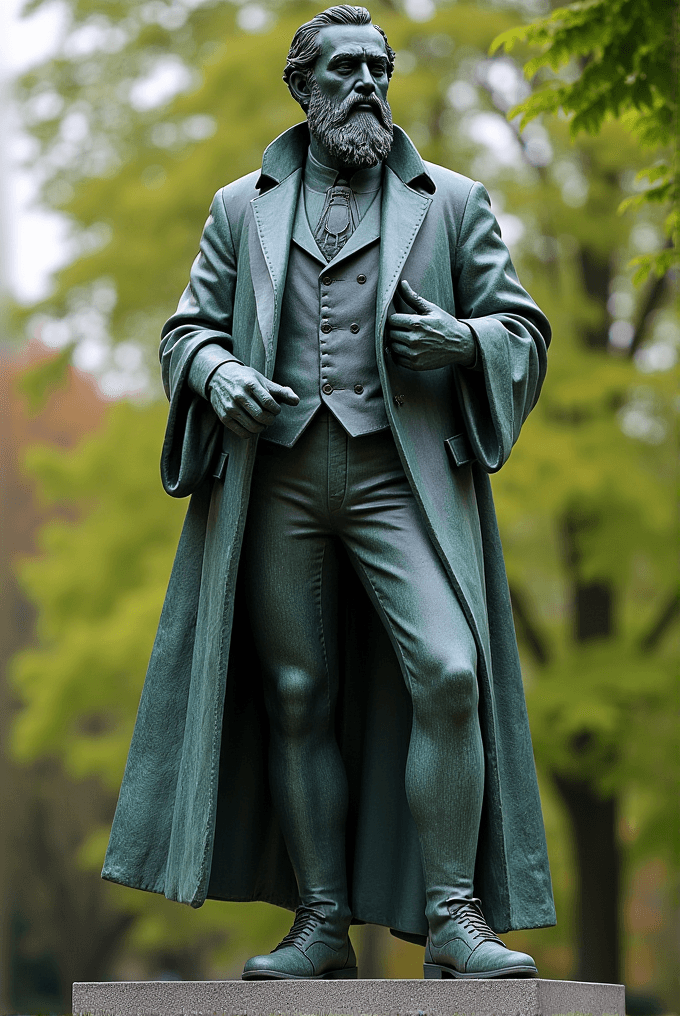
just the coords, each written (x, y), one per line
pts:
(529, 997)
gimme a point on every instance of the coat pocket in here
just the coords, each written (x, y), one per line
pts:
(459, 450)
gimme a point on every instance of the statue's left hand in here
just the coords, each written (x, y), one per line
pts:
(429, 338)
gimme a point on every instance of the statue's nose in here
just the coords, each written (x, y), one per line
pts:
(365, 84)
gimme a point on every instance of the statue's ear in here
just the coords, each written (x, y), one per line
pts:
(299, 85)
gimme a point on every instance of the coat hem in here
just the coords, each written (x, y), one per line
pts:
(402, 933)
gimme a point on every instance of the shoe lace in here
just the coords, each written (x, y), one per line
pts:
(469, 915)
(306, 920)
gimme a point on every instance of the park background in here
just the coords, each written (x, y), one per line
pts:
(139, 115)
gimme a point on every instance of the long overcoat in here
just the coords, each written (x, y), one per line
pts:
(194, 817)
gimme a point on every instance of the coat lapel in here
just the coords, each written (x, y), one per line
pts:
(302, 234)
(403, 212)
(274, 213)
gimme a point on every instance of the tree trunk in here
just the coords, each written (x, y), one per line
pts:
(593, 821)
(593, 817)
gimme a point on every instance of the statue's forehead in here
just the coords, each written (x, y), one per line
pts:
(355, 40)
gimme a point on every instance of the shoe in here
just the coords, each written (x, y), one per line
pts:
(316, 948)
(461, 944)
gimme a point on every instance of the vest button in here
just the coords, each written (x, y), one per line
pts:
(327, 280)
(359, 389)
(325, 327)
(327, 389)
(361, 279)
(354, 327)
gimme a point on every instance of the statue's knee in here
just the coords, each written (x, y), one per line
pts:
(450, 688)
(294, 704)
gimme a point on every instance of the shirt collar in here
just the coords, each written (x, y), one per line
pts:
(320, 177)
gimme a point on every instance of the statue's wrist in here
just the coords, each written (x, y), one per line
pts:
(471, 356)
(220, 368)
(205, 364)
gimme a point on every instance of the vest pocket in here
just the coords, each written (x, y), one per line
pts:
(459, 450)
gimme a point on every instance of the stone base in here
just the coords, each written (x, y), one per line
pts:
(527, 997)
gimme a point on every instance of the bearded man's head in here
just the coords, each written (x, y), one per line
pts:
(357, 137)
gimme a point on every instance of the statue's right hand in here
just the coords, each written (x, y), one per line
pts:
(245, 401)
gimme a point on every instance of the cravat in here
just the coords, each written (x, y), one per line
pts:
(339, 218)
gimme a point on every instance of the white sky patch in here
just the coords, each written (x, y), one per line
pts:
(662, 353)
(621, 304)
(34, 242)
(621, 334)
(493, 131)
(90, 355)
(419, 10)
(537, 146)
(462, 96)
(505, 80)
(639, 419)
(646, 238)
(94, 37)
(512, 229)
(254, 18)
(25, 42)
(166, 79)
(568, 174)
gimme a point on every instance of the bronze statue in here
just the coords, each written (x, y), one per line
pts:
(333, 717)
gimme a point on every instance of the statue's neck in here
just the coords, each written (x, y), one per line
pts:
(322, 155)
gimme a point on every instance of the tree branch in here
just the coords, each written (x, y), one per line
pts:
(650, 303)
(667, 615)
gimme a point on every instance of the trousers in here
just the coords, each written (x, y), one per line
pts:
(331, 489)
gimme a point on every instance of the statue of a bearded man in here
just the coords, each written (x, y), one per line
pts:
(333, 718)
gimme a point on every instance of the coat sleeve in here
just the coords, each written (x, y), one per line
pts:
(200, 331)
(511, 333)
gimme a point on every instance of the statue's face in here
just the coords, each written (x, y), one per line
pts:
(352, 61)
(348, 112)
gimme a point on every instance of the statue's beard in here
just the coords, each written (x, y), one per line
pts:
(357, 139)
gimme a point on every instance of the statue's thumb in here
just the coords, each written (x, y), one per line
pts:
(419, 303)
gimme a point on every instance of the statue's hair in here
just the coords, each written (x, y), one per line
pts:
(305, 48)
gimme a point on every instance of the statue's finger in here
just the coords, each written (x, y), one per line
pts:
(401, 351)
(243, 418)
(283, 394)
(403, 321)
(404, 339)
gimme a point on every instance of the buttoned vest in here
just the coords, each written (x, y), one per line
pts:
(326, 344)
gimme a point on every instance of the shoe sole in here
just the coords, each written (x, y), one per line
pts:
(434, 971)
(347, 973)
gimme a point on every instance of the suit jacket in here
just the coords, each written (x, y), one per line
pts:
(194, 817)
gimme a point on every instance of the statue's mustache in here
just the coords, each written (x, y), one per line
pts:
(344, 110)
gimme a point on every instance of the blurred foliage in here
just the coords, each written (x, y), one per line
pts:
(613, 58)
(135, 174)
(38, 382)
